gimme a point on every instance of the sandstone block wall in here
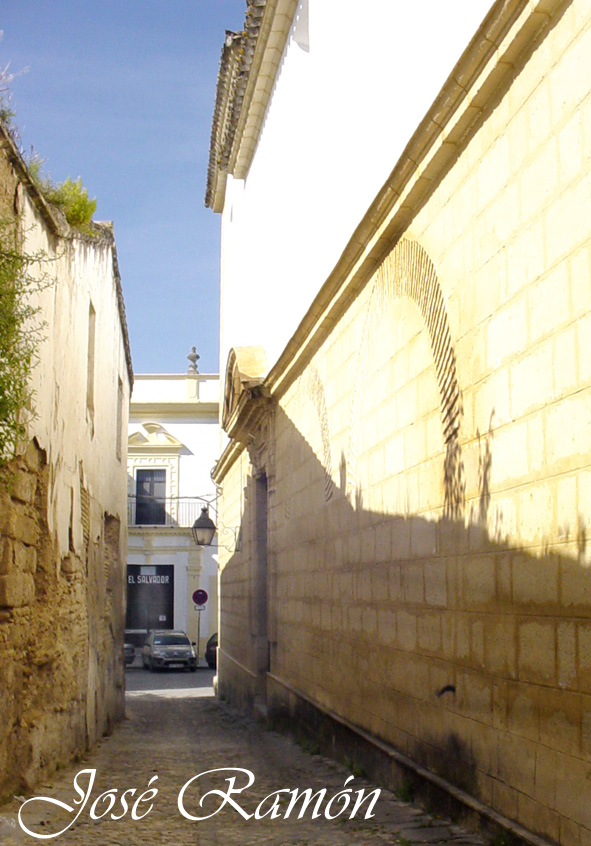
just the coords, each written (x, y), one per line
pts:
(429, 474)
(58, 618)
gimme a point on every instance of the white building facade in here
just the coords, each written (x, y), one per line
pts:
(172, 446)
(328, 117)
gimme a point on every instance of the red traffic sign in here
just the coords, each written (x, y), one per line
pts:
(199, 597)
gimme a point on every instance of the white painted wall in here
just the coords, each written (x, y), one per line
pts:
(340, 115)
(186, 407)
(78, 444)
(175, 387)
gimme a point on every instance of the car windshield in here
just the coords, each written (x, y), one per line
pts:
(171, 640)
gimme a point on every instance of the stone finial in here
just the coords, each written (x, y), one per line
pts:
(193, 358)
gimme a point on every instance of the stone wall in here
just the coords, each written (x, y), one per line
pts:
(62, 503)
(429, 473)
(54, 620)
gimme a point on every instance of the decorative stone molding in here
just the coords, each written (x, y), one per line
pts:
(154, 447)
(244, 396)
(259, 447)
(193, 359)
(154, 438)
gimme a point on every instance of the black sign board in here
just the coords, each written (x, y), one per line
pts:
(150, 597)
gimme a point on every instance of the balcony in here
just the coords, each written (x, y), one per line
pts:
(179, 512)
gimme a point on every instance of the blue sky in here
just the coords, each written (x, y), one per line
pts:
(121, 93)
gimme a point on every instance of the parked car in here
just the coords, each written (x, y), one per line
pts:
(167, 649)
(129, 652)
(211, 651)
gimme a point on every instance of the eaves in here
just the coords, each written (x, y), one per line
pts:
(248, 67)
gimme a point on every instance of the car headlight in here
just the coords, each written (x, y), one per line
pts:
(159, 653)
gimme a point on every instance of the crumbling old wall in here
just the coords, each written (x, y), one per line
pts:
(46, 619)
(62, 503)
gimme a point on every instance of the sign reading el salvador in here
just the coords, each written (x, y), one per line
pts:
(150, 597)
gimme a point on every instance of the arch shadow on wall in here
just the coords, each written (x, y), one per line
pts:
(409, 272)
(311, 387)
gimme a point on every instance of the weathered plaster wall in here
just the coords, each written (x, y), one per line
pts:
(429, 475)
(62, 520)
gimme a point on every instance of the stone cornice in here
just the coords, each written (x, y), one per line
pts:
(250, 409)
(153, 449)
(176, 377)
(189, 409)
(165, 531)
(511, 28)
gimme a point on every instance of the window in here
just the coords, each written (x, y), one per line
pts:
(150, 498)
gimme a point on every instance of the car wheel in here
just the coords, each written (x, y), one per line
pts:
(151, 666)
(193, 669)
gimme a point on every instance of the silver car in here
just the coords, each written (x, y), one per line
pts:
(167, 649)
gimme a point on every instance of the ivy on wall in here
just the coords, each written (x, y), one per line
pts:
(21, 276)
(20, 334)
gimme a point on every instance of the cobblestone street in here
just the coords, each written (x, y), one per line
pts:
(175, 729)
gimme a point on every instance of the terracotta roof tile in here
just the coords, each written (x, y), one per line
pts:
(233, 75)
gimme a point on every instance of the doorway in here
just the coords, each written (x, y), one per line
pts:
(261, 590)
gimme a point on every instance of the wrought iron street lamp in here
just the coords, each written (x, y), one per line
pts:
(203, 528)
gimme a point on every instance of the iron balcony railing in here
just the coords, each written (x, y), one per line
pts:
(159, 511)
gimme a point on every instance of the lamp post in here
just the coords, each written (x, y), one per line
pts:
(203, 528)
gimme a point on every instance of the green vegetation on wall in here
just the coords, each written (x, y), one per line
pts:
(69, 196)
(20, 326)
(20, 334)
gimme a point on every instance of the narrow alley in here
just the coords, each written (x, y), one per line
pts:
(176, 729)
